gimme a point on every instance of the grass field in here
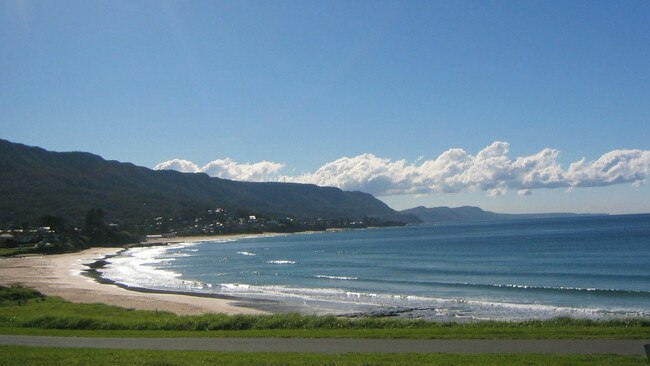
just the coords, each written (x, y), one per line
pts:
(27, 356)
(6, 252)
(25, 311)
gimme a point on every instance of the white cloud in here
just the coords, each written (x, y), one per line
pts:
(184, 166)
(455, 170)
(229, 169)
(614, 167)
(226, 168)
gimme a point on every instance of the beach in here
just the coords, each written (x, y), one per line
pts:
(514, 271)
(62, 275)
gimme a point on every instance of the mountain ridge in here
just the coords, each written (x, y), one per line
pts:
(36, 182)
(444, 214)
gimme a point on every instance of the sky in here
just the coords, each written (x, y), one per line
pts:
(514, 106)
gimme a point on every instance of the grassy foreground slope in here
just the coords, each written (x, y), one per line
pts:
(14, 355)
(26, 311)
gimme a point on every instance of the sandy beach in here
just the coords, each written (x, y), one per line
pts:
(61, 275)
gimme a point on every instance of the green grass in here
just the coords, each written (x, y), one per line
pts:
(6, 252)
(18, 294)
(477, 332)
(25, 311)
(27, 356)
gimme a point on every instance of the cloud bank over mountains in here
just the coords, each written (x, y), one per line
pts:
(491, 170)
(227, 169)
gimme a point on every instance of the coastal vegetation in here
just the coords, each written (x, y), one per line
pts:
(55, 235)
(6, 252)
(18, 355)
(25, 311)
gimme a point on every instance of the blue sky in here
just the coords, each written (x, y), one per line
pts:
(305, 83)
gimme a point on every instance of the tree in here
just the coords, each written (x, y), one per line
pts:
(57, 223)
(95, 226)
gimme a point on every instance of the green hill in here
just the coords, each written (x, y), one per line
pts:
(35, 182)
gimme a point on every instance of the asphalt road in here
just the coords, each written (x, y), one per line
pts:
(328, 345)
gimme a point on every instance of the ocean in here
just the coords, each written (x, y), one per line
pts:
(586, 267)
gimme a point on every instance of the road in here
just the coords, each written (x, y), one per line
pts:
(329, 345)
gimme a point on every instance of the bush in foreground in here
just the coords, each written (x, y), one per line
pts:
(17, 293)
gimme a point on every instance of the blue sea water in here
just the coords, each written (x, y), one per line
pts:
(594, 267)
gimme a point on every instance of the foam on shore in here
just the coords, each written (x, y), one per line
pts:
(149, 268)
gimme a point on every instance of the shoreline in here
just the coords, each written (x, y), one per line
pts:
(278, 306)
(75, 277)
(200, 238)
(264, 305)
(70, 276)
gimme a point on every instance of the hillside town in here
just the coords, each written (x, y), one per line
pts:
(59, 237)
(220, 221)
